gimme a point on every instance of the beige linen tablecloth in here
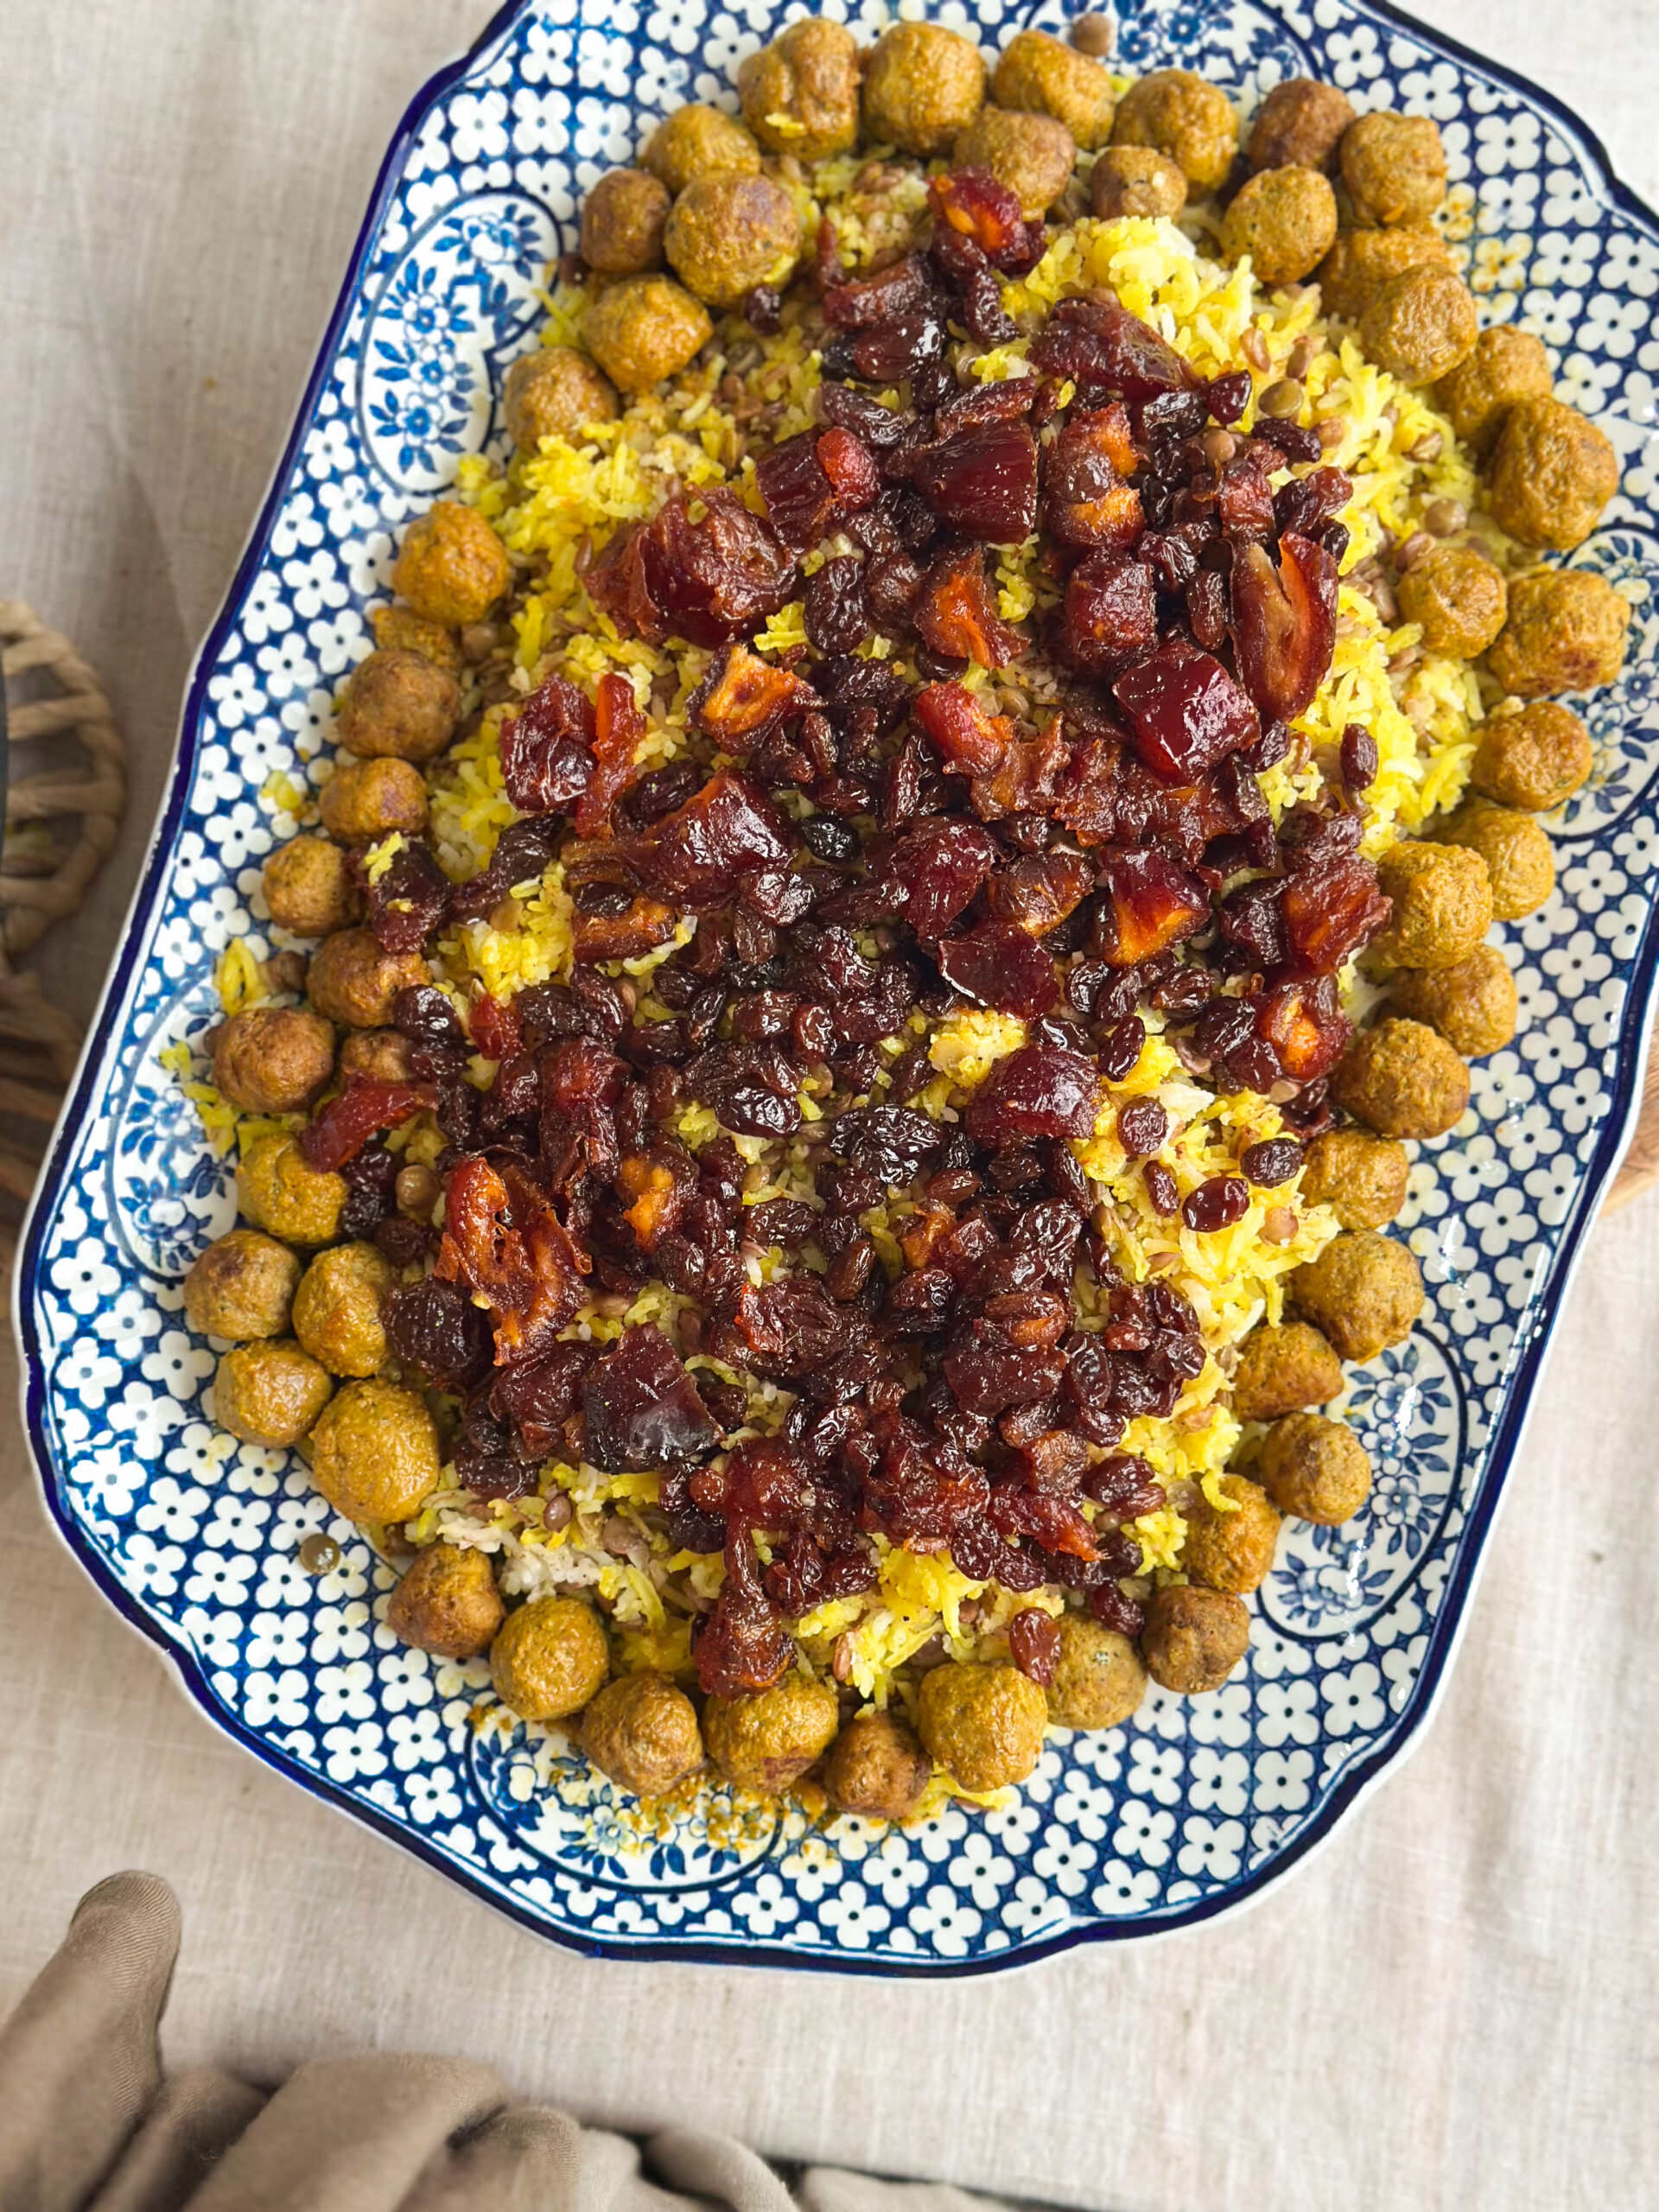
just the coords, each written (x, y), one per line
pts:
(1453, 2006)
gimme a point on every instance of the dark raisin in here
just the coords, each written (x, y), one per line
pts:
(1113, 1610)
(423, 1014)
(1272, 1162)
(837, 614)
(1217, 1203)
(1143, 1126)
(1359, 759)
(828, 839)
(1162, 1191)
(1119, 1048)
(1034, 1644)
(435, 1328)
(763, 311)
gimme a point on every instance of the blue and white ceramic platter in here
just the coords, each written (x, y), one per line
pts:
(1194, 1807)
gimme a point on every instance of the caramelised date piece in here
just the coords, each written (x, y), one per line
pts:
(872, 301)
(1151, 903)
(1086, 501)
(791, 1327)
(1040, 891)
(1041, 1090)
(974, 205)
(982, 482)
(619, 726)
(638, 925)
(968, 737)
(1244, 498)
(640, 1409)
(743, 698)
(955, 611)
(705, 581)
(546, 759)
(695, 855)
(1001, 965)
(934, 872)
(1187, 713)
(1332, 909)
(1109, 612)
(504, 1243)
(1096, 341)
(1306, 1025)
(338, 1131)
(1284, 623)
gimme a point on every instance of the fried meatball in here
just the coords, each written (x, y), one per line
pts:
(550, 1658)
(1361, 1178)
(354, 981)
(242, 1287)
(377, 1056)
(1315, 1469)
(374, 1452)
(268, 1393)
(447, 1603)
(1192, 122)
(1364, 1291)
(1442, 907)
(697, 141)
(1565, 631)
(280, 1192)
(273, 1059)
(1099, 1677)
(923, 86)
(1506, 366)
(1402, 1080)
(1282, 1369)
(643, 1733)
(622, 220)
(1516, 851)
(1552, 473)
(1536, 760)
(398, 706)
(800, 94)
(1042, 75)
(453, 567)
(984, 1723)
(1299, 125)
(1232, 1551)
(1419, 325)
(1394, 167)
(308, 888)
(727, 234)
(401, 630)
(364, 799)
(1360, 261)
(1473, 1006)
(1285, 220)
(338, 1306)
(555, 393)
(645, 328)
(769, 1740)
(877, 1769)
(1136, 181)
(1194, 1638)
(1456, 597)
(1033, 155)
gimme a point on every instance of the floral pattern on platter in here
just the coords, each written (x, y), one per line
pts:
(1195, 1804)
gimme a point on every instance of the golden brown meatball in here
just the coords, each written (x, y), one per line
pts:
(1300, 126)
(1473, 1006)
(622, 220)
(1361, 1178)
(1516, 851)
(877, 1769)
(398, 706)
(1456, 597)
(376, 1056)
(354, 981)
(308, 888)
(1506, 366)
(1043, 76)
(697, 141)
(767, 1741)
(1285, 220)
(550, 1658)
(643, 1733)
(1192, 122)
(268, 1393)
(1281, 1369)
(1136, 181)
(1552, 473)
(1442, 907)
(364, 799)
(1394, 167)
(401, 630)
(1419, 325)
(1565, 632)
(923, 86)
(727, 234)
(281, 1193)
(1536, 760)
(242, 1287)
(453, 567)
(645, 328)
(1232, 1551)
(1033, 155)
(374, 1452)
(1360, 261)
(338, 1306)
(800, 93)
(447, 1603)
(1401, 1080)
(273, 1059)
(984, 1723)
(555, 393)
(1099, 1677)
(1315, 1469)
(1194, 1638)
(1364, 1291)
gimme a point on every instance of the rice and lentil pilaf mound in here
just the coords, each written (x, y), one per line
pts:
(861, 845)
